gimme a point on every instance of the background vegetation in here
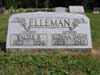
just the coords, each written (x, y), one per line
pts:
(89, 4)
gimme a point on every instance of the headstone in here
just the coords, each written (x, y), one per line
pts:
(60, 9)
(43, 30)
(77, 9)
(11, 10)
(6, 12)
(2, 10)
(96, 10)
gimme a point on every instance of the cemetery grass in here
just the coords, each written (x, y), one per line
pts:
(95, 29)
(3, 27)
(48, 64)
(56, 63)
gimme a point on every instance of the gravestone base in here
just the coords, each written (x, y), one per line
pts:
(51, 51)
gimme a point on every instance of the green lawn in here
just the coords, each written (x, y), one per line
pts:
(44, 64)
(95, 28)
(3, 27)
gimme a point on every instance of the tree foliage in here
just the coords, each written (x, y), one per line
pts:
(48, 3)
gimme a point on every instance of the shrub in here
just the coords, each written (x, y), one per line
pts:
(29, 10)
(21, 10)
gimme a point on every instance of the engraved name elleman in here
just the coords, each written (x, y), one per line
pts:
(30, 37)
(49, 22)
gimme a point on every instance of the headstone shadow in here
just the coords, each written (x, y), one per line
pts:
(3, 46)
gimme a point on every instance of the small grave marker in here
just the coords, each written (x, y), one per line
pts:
(96, 10)
(60, 9)
(77, 9)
